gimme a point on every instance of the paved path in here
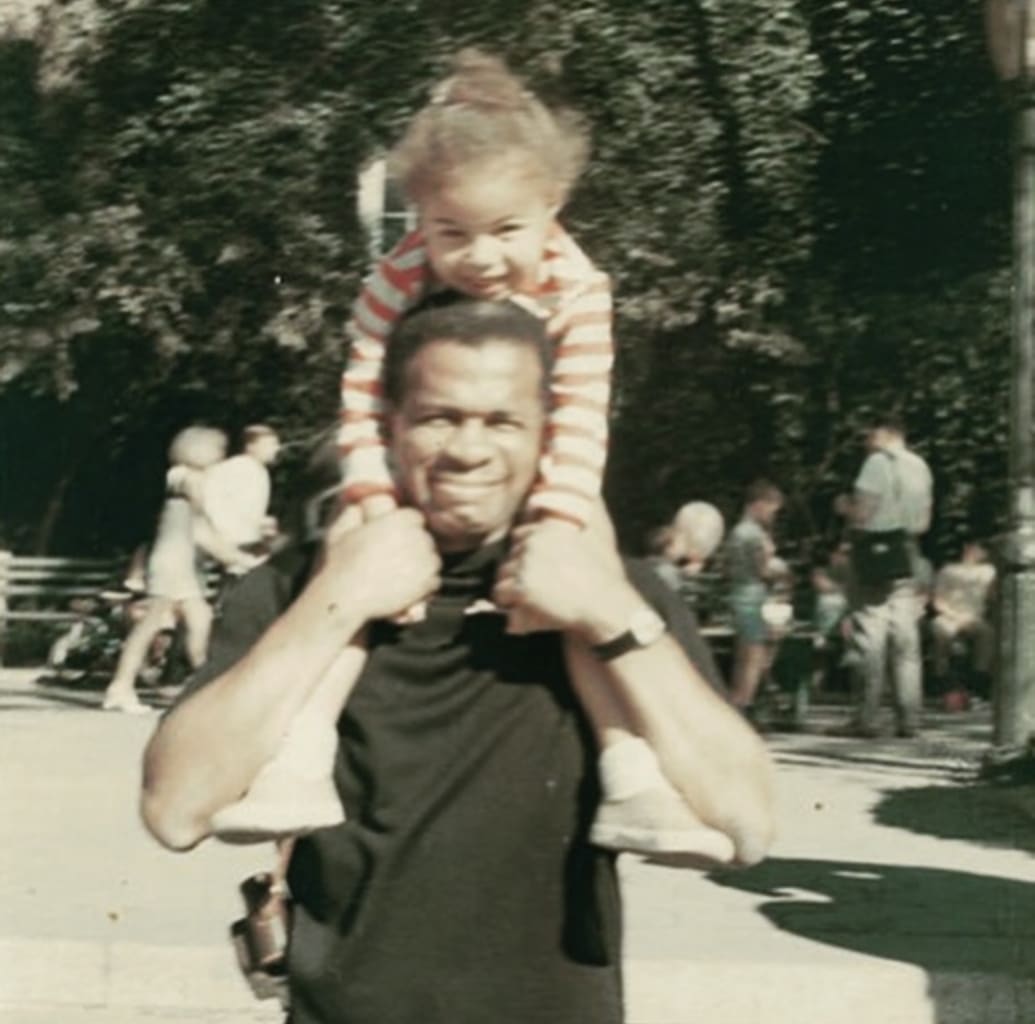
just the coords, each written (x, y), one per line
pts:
(901, 890)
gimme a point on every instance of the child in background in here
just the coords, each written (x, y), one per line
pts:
(488, 167)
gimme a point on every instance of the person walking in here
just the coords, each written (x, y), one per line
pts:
(175, 585)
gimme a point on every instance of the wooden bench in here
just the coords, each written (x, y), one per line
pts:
(47, 590)
(794, 673)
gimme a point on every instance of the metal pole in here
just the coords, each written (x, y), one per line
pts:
(1015, 690)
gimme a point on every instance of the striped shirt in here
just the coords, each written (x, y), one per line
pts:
(572, 296)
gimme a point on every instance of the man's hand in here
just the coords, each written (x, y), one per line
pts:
(566, 579)
(386, 564)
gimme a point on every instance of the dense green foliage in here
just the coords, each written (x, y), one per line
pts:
(803, 203)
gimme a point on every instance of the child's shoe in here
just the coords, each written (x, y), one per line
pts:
(641, 811)
(658, 821)
(294, 793)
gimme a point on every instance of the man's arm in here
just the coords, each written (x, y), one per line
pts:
(705, 747)
(206, 752)
(862, 507)
(871, 482)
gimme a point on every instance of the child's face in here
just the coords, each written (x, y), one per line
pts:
(486, 228)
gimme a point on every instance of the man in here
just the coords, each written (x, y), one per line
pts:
(889, 509)
(462, 887)
(236, 492)
(750, 565)
(960, 606)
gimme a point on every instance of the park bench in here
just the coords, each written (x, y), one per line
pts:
(43, 589)
(798, 664)
(47, 590)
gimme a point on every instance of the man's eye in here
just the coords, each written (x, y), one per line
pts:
(435, 419)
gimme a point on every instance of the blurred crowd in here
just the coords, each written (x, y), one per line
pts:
(871, 608)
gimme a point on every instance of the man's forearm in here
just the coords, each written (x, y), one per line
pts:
(862, 508)
(208, 750)
(705, 747)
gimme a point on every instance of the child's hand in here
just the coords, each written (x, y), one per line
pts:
(377, 505)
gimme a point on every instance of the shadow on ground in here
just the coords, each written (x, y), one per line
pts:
(991, 814)
(944, 922)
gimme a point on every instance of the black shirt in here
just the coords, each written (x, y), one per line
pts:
(462, 889)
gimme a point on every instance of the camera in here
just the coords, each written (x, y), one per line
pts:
(260, 938)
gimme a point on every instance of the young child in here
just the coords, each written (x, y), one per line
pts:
(488, 167)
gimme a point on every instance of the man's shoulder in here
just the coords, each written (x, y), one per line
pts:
(916, 462)
(874, 470)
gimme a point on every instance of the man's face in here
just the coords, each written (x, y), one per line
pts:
(467, 436)
(265, 448)
(765, 510)
(974, 553)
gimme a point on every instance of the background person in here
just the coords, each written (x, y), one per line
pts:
(694, 535)
(175, 584)
(830, 578)
(959, 606)
(664, 557)
(236, 491)
(465, 762)
(751, 565)
(889, 509)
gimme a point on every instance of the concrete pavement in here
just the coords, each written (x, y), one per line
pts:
(901, 889)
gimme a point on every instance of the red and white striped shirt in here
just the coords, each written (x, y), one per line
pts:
(575, 300)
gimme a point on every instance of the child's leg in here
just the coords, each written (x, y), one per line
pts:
(750, 662)
(196, 614)
(294, 793)
(640, 810)
(121, 692)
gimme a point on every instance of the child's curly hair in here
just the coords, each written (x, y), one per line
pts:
(482, 110)
(197, 447)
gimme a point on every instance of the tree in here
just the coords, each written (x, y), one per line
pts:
(803, 213)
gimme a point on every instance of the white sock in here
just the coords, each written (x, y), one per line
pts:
(309, 747)
(628, 767)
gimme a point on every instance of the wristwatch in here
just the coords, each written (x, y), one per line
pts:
(645, 627)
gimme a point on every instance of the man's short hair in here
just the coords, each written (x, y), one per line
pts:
(453, 317)
(887, 419)
(762, 490)
(255, 432)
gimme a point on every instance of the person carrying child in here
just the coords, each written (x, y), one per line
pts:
(488, 167)
(173, 580)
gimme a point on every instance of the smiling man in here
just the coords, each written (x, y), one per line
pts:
(463, 887)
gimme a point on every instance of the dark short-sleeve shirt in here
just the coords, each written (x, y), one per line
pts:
(462, 888)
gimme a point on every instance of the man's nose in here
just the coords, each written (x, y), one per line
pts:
(468, 443)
